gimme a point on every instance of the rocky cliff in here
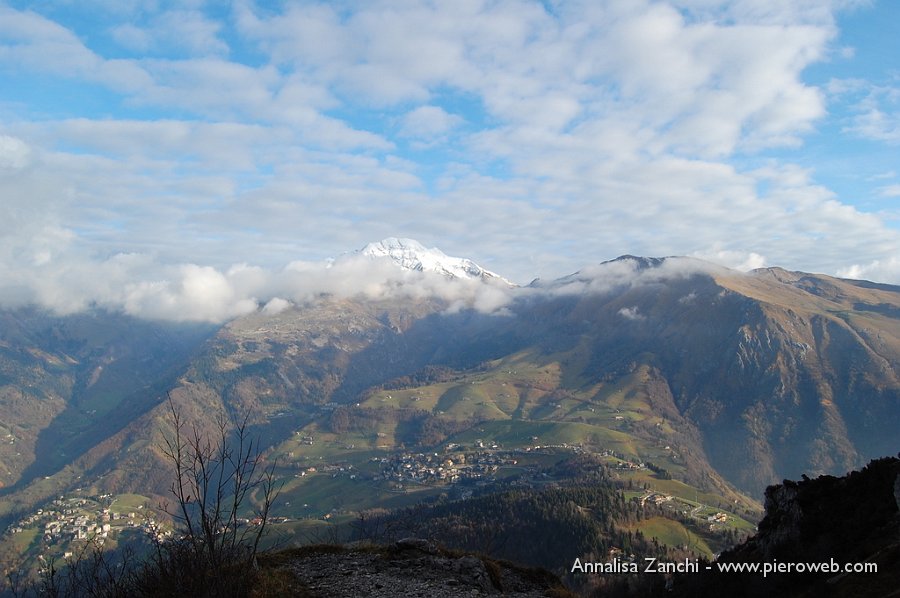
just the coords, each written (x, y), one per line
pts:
(852, 519)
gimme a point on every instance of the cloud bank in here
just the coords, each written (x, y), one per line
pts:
(190, 293)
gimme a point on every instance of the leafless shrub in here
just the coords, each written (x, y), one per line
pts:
(215, 477)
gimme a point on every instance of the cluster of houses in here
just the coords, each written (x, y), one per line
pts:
(718, 518)
(82, 519)
(433, 468)
(78, 527)
(655, 498)
(660, 499)
(629, 465)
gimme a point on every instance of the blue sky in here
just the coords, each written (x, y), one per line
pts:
(151, 147)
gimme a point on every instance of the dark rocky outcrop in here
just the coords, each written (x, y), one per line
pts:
(850, 519)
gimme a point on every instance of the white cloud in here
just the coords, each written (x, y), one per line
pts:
(14, 153)
(874, 108)
(874, 123)
(191, 31)
(738, 260)
(196, 293)
(428, 122)
(625, 272)
(631, 313)
(887, 270)
(889, 191)
(186, 32)
(31, 41)
(847, 52)
(132, 37)
(276, 305)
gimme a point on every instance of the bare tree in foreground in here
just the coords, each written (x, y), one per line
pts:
(215, 477)
(217, 536)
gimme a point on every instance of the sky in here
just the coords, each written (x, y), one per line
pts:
(176, 158)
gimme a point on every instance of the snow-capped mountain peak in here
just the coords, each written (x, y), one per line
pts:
(409, 254)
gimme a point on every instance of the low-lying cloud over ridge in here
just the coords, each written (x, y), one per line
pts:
(189, 292)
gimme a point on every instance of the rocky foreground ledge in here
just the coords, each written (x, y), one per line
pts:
(409, 567)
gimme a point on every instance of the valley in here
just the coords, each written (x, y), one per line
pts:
(680, 390)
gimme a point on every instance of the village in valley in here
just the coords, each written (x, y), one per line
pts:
(56, 532)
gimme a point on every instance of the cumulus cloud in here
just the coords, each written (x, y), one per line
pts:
(743, 261)
(876, 270)
(14, 153)
(194, 293)
(631, 313)
(428, 122)
(276, 305)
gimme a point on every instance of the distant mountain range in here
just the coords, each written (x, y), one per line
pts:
(727, 381)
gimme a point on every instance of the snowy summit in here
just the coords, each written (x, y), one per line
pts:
(409, 254)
